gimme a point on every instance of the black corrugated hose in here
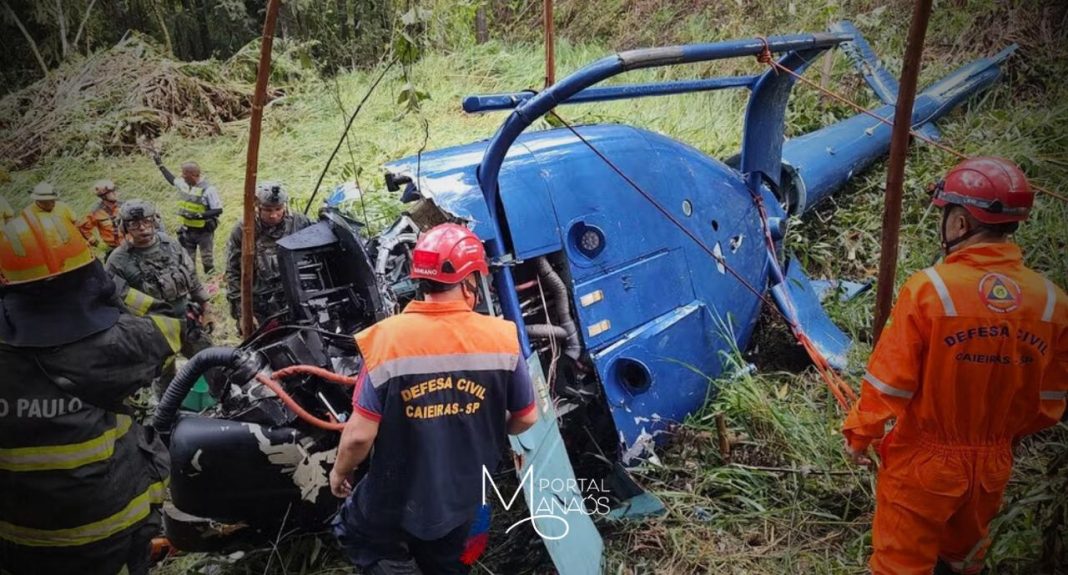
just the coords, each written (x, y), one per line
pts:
(167, 411)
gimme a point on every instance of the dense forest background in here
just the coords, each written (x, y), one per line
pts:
(42, 34)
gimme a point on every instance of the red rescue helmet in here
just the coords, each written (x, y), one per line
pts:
(447, 254)
(993, 190)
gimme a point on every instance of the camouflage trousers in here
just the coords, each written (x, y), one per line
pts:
(202, 239)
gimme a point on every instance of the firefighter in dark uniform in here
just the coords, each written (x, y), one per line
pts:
(440, 389)
(80, 482)
(161, 271)
(273, 222)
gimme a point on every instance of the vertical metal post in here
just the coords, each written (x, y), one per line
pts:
(550, 45)
(895, 173)
(248, 238)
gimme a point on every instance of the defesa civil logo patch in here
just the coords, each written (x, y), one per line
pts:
(1000, 293)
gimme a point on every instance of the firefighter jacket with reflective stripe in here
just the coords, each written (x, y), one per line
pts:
(440, 379)
(73, 468)
(975, 354)
(105, 220)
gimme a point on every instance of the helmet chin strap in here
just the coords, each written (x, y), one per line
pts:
(471, 293)
(947, 246)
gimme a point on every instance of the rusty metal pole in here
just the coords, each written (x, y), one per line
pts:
(248, 238)
(895, 172)
(550, 45)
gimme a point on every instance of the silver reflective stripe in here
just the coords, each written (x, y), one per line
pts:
(885, 387)
(442, 363)
(943, 293)
(1053, 395)
(12, 232)
(1051, 301)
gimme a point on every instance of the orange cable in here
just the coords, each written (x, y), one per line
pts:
(292, 404)
(316, 371)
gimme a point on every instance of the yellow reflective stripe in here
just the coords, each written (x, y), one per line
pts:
(192, 207)
(139, 302)
(134, 512)
(171, 330)
(70, 456)
(192, 203)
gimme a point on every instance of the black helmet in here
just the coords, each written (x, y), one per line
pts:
(135, 210)
(271, 194)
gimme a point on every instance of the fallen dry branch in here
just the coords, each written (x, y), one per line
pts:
(105, 103)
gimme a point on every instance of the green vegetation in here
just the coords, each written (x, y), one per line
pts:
(787, 502)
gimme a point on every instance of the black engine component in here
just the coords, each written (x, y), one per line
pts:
(328, 277)
(233, 471)
(254, 464)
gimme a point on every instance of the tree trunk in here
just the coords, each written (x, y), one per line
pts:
(343, 20)
(61, 19)
(203, 30)
(283, 20)
(481, 33)
(29, 39)
(163, 27)
(195, 42)
(81, 27)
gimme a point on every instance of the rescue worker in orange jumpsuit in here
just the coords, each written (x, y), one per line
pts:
(974, 358)
(441, 388)
(104, 218)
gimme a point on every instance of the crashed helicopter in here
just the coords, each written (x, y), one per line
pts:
(628, 260)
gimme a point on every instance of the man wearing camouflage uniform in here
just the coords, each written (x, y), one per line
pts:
(160, 270)
(199, 208)
(273, 222)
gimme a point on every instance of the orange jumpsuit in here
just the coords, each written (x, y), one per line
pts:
(104, 219)
(975, 356)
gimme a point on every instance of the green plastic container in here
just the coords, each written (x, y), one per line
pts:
(198, 398)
